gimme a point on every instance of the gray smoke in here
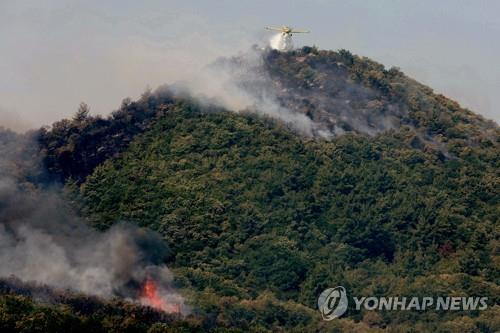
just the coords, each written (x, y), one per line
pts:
(320, 100)
(242, 84)
(42, 239)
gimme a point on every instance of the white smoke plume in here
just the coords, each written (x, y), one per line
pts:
(43, 241)
(281, 42)
(241, 83)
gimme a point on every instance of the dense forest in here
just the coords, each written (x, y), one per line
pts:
(402, 199)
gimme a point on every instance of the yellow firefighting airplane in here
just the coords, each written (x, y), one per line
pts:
(287, 31)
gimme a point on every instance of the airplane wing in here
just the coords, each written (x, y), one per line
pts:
(274, 29)
(300, 31)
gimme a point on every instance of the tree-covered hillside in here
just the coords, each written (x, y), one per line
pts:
(250, 209)
(260, 220)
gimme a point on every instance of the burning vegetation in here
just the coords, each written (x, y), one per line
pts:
(155, 297)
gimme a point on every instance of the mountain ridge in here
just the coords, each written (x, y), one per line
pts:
(438, 120)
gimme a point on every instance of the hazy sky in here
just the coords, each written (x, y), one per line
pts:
(55, 54)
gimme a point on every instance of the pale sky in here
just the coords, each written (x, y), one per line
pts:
(56, 53)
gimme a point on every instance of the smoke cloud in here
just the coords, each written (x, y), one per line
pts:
(43, 240)
(328, 105)
(241, 83)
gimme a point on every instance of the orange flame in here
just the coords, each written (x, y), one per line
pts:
(152, 298)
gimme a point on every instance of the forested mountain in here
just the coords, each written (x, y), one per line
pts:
(400, 198)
